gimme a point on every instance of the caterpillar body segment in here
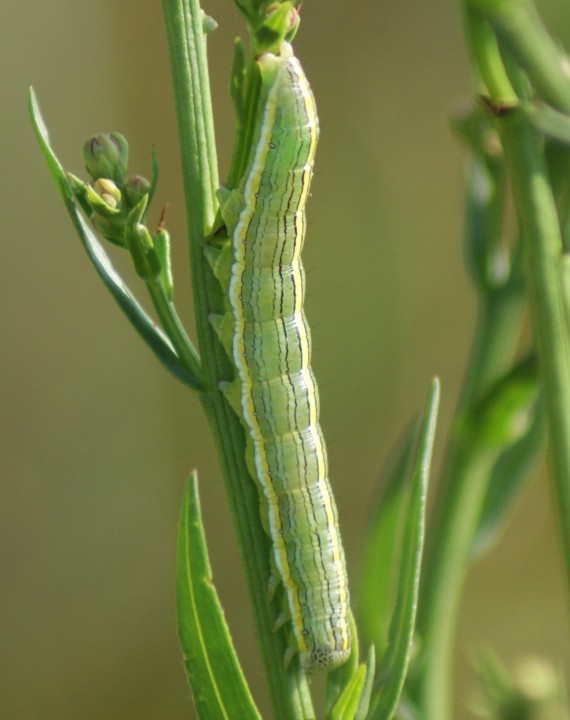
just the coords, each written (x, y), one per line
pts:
(274, 393)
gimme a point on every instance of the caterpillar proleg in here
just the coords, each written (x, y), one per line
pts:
(267, 338)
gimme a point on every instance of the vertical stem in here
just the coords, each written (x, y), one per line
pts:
(540, 230)
(183, 18)
(460, 498)
(520, 28)
(445, 577)
(466, 472)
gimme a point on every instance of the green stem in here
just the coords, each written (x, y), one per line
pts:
(174, 329)
(183, 18)
(520, 28)
(484, 50)
(538, 221)
(466, 473)
(495, 341)
(447, 572)
(462, 491)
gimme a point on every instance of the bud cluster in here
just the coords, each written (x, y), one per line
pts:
(116, 204)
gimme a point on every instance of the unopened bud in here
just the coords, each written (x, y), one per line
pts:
(102, 198)
(106, 156)
(135, 187)
(293, 22)
(140, 244)
(107, 191)
(208, 23)
(280, 23)
(162, 247)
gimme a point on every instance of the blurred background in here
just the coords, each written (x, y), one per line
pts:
(97, 438)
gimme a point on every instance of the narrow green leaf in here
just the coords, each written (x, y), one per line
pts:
(341, 677)
(506, 426)
(347, 705)
(503, 414)
(506, 481)
(237, 80)
(143, 324)
(153, 174)
(354, 701)
(394, 665)
(218, 685)
(381, 549)
(365, 695)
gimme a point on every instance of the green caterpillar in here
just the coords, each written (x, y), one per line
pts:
(267, 338)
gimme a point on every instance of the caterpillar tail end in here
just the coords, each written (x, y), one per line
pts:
(323, 659)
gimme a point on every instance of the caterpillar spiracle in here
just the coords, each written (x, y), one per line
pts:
(274, 392)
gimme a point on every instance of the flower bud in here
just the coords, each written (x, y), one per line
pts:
(208, 23)
(162, 247)
(103, 197)
(280, 23)
(106, 156)
(140, 244)
(135, 187)
(107, 191)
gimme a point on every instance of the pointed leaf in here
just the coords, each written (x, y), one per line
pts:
(354, 701)
(502, 416)
(143, 324)
(506, 481)
(394, 665)
(347, 705)
(365, 695)
(218, 685)
(153, 174)
(506, 427)
(237, 81)
(380, 563)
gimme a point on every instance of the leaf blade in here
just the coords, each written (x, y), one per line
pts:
(218, 685)
(395, 662)
(380, 551)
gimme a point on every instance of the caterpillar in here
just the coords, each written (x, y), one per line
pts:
(266, 337)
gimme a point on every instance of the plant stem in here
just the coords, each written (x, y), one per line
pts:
(289, 691)
(522, 32)
(174, 329)
(538, 221)
(484, 50)
(519, 26)
(467, 470)
(462, 491)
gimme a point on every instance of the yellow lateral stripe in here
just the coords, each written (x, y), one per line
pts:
(262, 466)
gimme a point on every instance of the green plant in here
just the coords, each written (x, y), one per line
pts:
(516, 134)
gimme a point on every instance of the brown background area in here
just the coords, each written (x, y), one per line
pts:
(97, 438)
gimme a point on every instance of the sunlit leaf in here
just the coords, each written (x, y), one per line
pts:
(394, 663)
(381, 549)
(218, 686)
